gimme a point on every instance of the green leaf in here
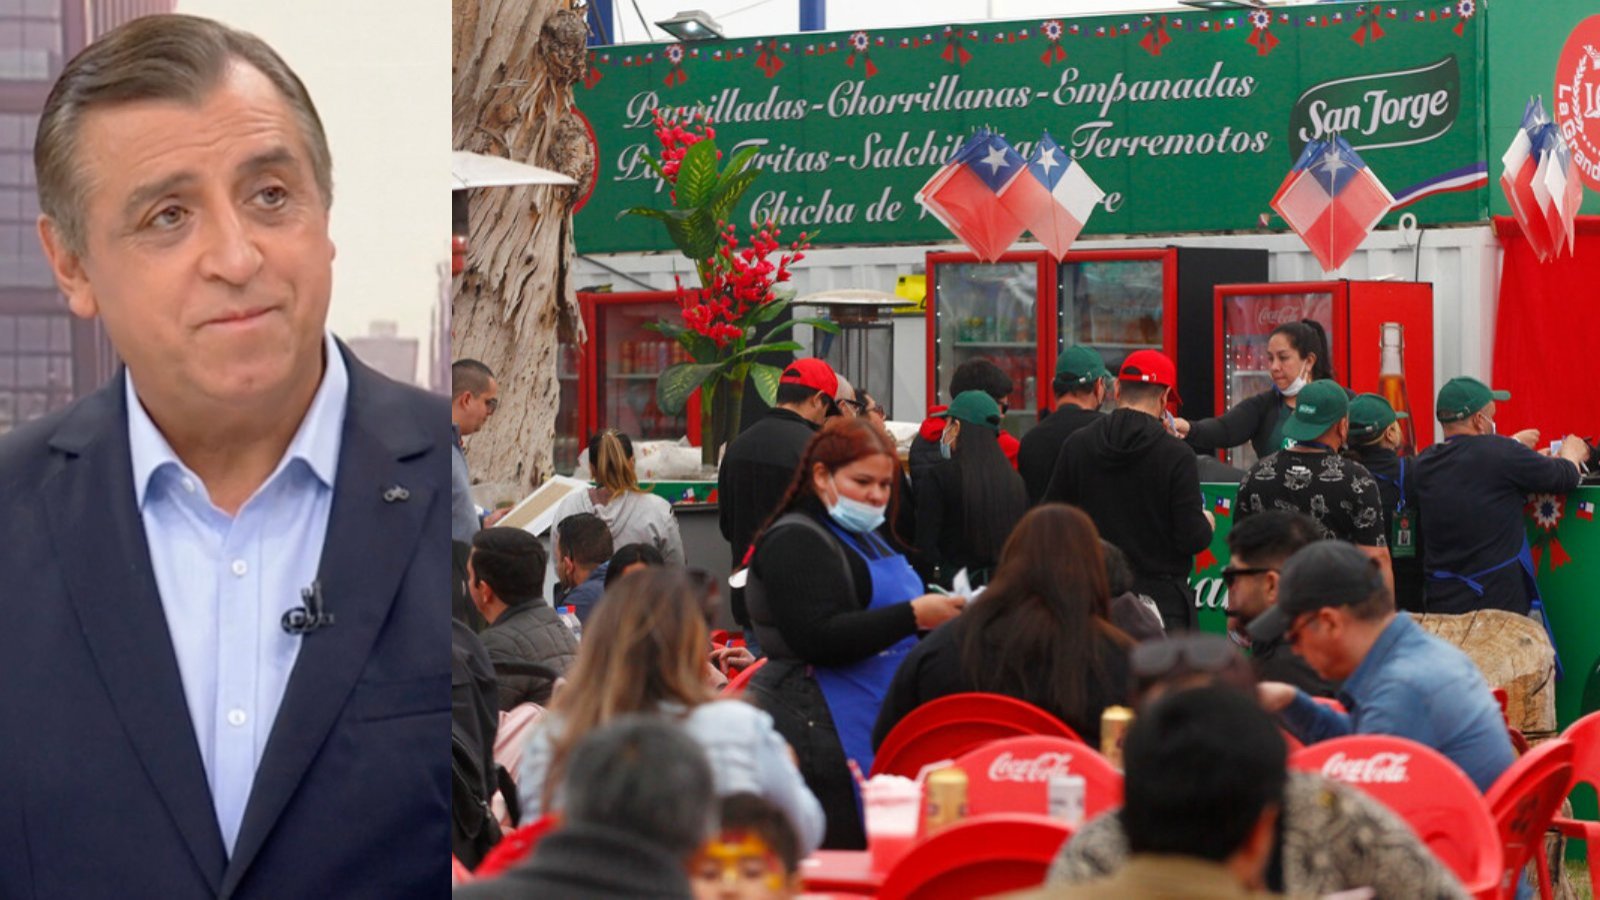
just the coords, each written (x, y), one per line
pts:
(721, 203)
(750, 353)
(765, 378)
(819, 324)
(693, 231)
(737, 164)
(769, 311)
(697, 175)
(649, 212)
(655, 165)
(678, 382)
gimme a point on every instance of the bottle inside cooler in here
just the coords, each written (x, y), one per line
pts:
(1392, 380)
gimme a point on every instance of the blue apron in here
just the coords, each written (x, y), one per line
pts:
(854, 692)
(1524, 558)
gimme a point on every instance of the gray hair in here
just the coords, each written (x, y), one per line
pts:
(644, 775)
(161, 57)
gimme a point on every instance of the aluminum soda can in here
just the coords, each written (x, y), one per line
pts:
(1114, 724)
(946, 799)
(1067, 798)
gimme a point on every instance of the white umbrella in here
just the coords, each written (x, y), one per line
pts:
(474, 170)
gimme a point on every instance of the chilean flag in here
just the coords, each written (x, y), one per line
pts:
(1332, 200)
(1521, 161)
(1554, 185)
(1052, 196)
(1586, 510)
(963, 195)
(1223, 506)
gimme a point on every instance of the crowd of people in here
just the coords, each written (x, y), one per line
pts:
(1054, 570)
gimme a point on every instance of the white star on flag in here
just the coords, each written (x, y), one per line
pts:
(996, 160)
(1047, 159)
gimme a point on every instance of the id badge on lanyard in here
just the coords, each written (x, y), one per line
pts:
(1403, 533)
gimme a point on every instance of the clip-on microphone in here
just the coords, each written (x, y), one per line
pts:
(303, 620)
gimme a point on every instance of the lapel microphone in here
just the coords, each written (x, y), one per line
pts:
(310, 616)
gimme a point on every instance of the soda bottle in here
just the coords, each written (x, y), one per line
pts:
(570, 619)
(1392, 380)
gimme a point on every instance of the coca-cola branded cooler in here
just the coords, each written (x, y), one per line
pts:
(618, 366)
(1380, 335)
(1022, 310)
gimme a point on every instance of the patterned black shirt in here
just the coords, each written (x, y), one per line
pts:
(1339, 493)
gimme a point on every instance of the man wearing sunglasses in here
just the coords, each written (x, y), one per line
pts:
(1335, 610)
(1257, 549)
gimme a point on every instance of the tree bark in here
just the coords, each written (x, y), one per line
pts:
(515, 62)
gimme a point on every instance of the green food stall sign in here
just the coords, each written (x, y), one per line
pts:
(1189, 121)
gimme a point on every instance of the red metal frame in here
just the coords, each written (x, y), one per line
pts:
(1047, 305)
(1357, 305)
(592, 365)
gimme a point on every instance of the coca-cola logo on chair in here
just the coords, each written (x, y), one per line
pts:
(1025, 770)
(1379, 768)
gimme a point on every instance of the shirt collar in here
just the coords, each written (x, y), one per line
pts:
(316, 443)
(1382, 648)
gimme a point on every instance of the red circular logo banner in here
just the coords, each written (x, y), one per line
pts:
(1577, 98)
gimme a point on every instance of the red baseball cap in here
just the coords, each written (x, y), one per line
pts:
(812, 373)
(1151, 367)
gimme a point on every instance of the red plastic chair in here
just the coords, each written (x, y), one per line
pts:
(1584, 736)
(978, 857)
(950, 726)
(1524, 800)
(1427, 790)
(1013, 775)
(737, 683)
(516, 846)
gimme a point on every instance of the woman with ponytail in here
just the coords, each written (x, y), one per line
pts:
(632, 514)
(1041, 632)
(1297, 355)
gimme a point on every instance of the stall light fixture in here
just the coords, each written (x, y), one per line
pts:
(692, 25)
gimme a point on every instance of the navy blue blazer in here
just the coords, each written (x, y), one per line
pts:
(102, 789)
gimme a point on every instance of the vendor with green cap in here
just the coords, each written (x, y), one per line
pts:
(1472, 489)
(969, 502)
(1080, 388)
(1375, 438)
(1311, 476)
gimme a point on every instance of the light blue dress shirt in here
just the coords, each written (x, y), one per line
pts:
(1414, 685)
(226, 581)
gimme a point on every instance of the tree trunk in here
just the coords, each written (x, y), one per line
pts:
(515, 62)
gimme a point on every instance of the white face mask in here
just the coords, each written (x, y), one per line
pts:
(1295, 386)
(854, 515)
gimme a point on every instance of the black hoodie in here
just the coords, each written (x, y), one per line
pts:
(1141, 487)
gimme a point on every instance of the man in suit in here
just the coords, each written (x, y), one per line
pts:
(225, 668)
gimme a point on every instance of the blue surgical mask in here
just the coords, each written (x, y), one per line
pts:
(944, 450)
(853, 515)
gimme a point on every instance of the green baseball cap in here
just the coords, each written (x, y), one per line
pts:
(1318, 406)
(974, 407)
(1371, 415)
(1081, 365)
(1461, 397)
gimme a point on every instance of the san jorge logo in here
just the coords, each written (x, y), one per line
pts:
(1577, 98)
(1382, 109)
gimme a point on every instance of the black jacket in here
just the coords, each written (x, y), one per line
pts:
(530, 632)
(934, 670)
(756, 471)
(1409, 579)
(943, 545)
(1036, 459)
(1276, 661)
(1255, 421)
(580, 860)
(1141, 487)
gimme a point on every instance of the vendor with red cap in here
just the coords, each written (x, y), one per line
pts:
(1141, 486)
(1472, 489)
